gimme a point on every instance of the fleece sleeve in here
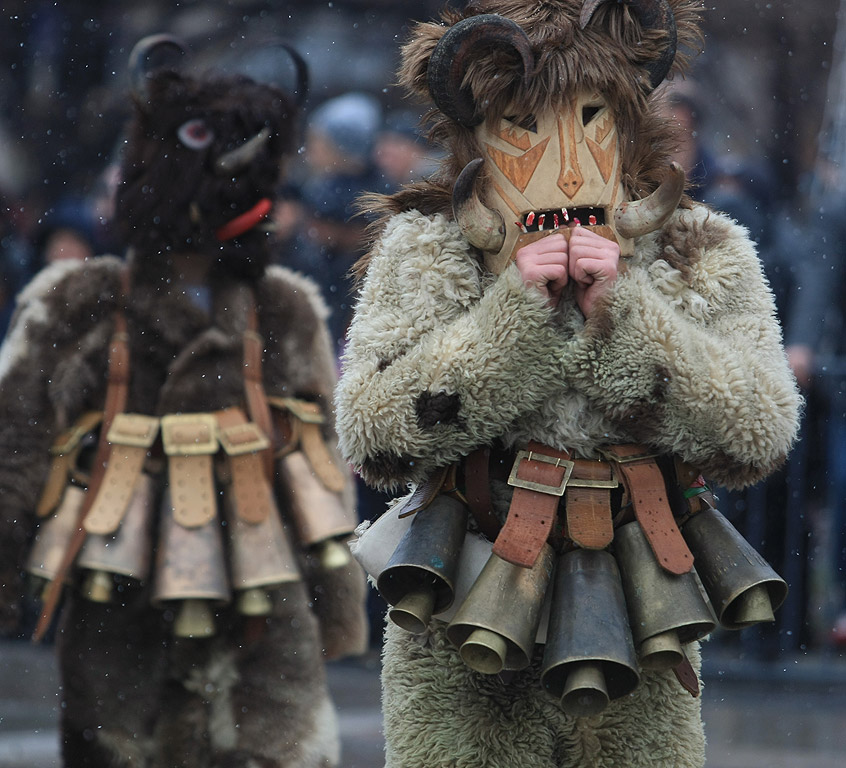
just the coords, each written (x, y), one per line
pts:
(438, 361)
(685, 354)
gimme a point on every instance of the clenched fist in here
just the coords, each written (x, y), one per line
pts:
(578, 254)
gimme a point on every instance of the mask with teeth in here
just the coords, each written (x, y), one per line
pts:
(562, 156)
(552, 172)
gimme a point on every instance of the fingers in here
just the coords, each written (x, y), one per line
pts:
(543, 265)
(592, 257)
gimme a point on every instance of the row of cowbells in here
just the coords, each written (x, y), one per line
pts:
(609, 615)
(191, 572)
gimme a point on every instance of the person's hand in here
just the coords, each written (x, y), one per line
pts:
(800, 358)
(543, 265)
(588, 259)
(593, 264)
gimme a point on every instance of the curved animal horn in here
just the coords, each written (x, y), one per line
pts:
(638, 217)
(302, 83)
(449, 60)
(482, 226)
(652, 14)
(230, 163)
(141, 54)
(302, 73)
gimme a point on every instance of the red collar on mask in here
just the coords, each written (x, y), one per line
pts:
(246, 221)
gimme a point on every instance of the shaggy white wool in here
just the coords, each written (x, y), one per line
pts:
(450, 338)
(685, 355)
(441, 714)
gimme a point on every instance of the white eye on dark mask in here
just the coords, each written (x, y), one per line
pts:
(195, 134)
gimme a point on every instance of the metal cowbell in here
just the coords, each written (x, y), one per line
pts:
(319, 515)
(261, 556)
(54, 534)
(190, 570)
(419, 579)
(742, 586)
(126, 552)
(589, 657)
(496, 626)
(666, 611)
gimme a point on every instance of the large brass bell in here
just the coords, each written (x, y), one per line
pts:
(261, 557)
(126, 552)
(54, 534)
(589, 657)
(497, 624)
(321, 518)
(190, 572)
(742, 586)
(666, 610)
(419, 579)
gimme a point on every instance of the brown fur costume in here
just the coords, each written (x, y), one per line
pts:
(448, 354)
(255, 693)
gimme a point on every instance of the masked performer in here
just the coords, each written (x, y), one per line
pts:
(192, 499)
(552, 347)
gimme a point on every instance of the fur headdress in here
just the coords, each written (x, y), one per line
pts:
(202, 162)
(620, 48)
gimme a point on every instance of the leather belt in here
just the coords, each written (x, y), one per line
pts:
(588, 504)
(645, 485)
(539, 477)
(190, 441)
(131, 435)
(64, 452)
(244, 444)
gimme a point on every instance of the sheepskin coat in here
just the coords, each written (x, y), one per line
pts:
(683, 353)
(133, 693)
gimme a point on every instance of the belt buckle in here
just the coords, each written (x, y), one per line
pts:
(133, 429)
(610, 456)
(531, 485)
(303, 410)
(243, 438)
(189, 434)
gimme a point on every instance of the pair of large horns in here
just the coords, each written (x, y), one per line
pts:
(484, 227)
(461, 43)
(652, 15)
(157, 51)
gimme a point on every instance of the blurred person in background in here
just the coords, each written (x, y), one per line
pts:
(402, 154)
(320, 215)
(770, 514)
(15, 259)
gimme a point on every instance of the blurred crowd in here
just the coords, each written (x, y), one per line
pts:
(64, 84)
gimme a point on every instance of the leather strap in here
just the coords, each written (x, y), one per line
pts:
(117, 390)
(256, 397)
(687, 677)
(130, 437)
(588, 504)
(425, 492)
(539, 478)
(64, 452)
(243, 443)
(646, 488)
(190, 442)
(477, 487)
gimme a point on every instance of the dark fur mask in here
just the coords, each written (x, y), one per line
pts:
(172, 197)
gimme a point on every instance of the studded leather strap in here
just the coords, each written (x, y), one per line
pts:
(646, 488)
(539, 478)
